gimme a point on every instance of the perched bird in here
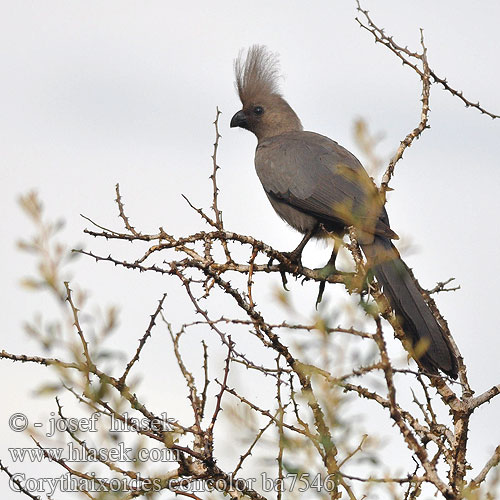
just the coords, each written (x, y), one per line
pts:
(318, 187)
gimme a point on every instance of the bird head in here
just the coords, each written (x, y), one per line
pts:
(264, 112)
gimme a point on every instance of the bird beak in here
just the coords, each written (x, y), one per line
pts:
(239, 120)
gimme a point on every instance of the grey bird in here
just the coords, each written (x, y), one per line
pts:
(320, 188)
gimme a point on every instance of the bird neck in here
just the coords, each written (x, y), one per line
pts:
(278, 121)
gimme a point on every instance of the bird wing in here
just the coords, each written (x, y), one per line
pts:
(319, 177)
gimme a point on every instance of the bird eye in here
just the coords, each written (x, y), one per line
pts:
(258, 110)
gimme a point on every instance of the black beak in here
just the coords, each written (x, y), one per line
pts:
(239, 120)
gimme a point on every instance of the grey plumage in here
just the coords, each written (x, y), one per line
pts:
(315, 184)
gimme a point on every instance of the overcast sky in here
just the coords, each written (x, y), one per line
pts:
(95, 93)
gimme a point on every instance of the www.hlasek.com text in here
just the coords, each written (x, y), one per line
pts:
(76, 453)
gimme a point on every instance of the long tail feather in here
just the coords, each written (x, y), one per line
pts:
(407, 302)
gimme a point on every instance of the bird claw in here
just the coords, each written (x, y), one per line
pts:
(283, 268)
(319, 298)
(284, 281)
(324, 273)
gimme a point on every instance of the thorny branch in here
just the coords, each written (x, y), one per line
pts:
(142, 341)
(419, 63)
(406, 56)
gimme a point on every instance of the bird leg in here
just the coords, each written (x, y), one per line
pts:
(328, 270)
(295, 255)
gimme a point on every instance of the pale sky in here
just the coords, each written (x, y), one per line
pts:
(96, 93)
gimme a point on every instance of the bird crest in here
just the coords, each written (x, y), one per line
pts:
(257, 73)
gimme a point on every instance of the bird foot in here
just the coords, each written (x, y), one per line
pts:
(296, 262)
(324, 273)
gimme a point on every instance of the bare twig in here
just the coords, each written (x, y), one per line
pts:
(76, 323)
(121, 209)
(15, 480)
(142, 341)
(492, 462)
(404, 54)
